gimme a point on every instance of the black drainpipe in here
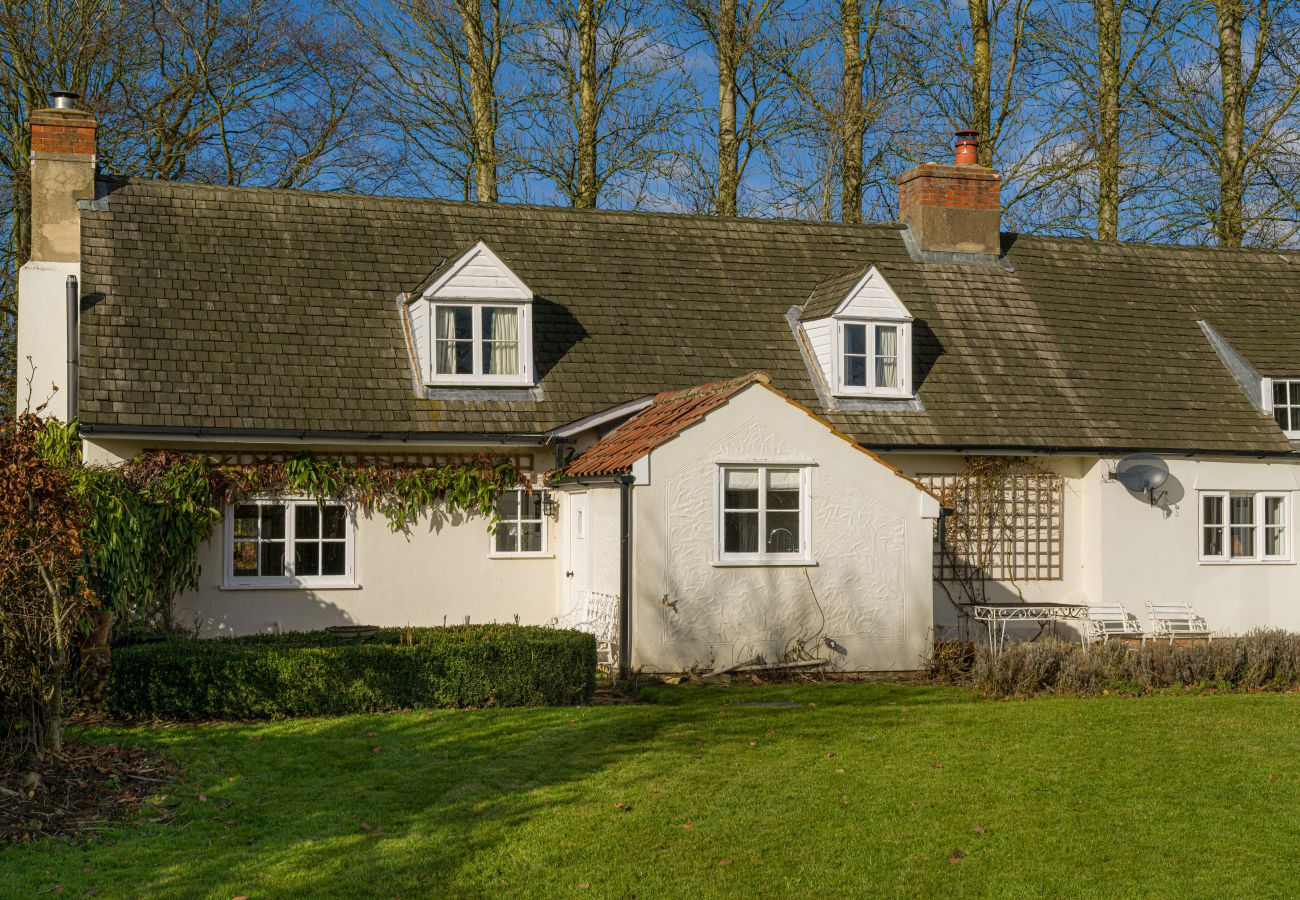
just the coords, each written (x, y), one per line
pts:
(625, 575)
(74, 343)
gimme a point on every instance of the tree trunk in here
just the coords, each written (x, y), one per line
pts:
(851, 137)
(1109, 14)
(728, 141)
(587, 113)
(482, 94)
(96, 658)
(981, 30)
(1228, 226)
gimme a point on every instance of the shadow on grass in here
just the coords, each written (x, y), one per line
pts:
(421, 800)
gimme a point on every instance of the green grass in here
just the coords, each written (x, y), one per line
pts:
(869, 791)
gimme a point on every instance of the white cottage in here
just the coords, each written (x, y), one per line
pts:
(609, 355)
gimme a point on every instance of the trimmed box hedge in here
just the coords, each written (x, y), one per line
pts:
(317, 674)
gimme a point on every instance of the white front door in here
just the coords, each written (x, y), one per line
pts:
(576, 558)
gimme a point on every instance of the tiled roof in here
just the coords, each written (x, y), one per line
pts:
(827, 296)
(667, 416)
(242, 309)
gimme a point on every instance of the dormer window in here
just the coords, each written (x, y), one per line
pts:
(1286, 405)
(471, 324)
(476, 340)
(872, 357)
(861, 335)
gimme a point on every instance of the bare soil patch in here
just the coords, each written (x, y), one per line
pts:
(83, 791)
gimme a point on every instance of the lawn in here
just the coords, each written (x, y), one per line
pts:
(883, 790)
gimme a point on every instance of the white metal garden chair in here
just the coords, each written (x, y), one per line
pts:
(597, 615)
(1177, 621)
(1106, 622)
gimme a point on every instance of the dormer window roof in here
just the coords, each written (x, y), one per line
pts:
(471, 323)
(864, 345)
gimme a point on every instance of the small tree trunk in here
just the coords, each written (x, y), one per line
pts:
(1229, 227)
(96, 658)
(851, 127)
(482, 101)
(728, 141)
(1108, 138)
(981, 78)
(587, 190)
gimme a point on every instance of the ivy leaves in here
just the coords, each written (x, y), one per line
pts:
(147, 518)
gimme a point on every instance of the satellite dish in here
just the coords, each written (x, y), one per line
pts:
(1142, 473)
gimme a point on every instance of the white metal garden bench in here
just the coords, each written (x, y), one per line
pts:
(1176, 621)
(1106, 622)
(596, 614)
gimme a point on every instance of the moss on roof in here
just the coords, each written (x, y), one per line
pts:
(243, 309)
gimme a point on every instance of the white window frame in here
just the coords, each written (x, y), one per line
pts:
(292, 582)
(804, 556)
(1293, 391)
(904, 388)
(1259, 526)
(545, 551)
(523, 310)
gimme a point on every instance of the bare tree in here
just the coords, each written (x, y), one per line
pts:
(1228, 100)
(606, 99)
(754, 45)
(841, 110)
(985, 68)
(444, 85)
(240, 92)
(1103, 53)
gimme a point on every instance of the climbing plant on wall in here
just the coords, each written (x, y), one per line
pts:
(147, 518)
(978, 524)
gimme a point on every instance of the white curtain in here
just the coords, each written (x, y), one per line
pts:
(504, 334)
(445, 346)
(886, 356)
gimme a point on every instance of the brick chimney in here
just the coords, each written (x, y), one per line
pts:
(49, 283)
(63, 172)
(953, 208)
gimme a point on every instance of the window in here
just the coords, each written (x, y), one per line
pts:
(480, 342)
(521, 529)
(1245, 527)
(288, 543)
(873, 358)
(1286, 406)
(763, 514)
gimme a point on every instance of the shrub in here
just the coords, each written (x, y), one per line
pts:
(43, 600)
(951, 661)
(314, 673)
(1261, 660)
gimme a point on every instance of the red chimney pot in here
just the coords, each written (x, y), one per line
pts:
(968, 148)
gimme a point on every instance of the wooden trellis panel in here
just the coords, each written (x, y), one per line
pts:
(1032, 531)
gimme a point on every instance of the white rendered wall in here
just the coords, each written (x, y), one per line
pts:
(42, 363)
(1118, 549)
(869, 591)
(434, 573)
(1072, 587)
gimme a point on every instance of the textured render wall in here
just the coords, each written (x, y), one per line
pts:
(869, 591)
(403, 579)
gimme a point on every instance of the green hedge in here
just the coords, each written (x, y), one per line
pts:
(315, 674)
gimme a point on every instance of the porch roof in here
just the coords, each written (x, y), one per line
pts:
(667, 416)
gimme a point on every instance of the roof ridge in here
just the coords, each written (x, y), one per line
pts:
(575, 212)
(708, 389)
